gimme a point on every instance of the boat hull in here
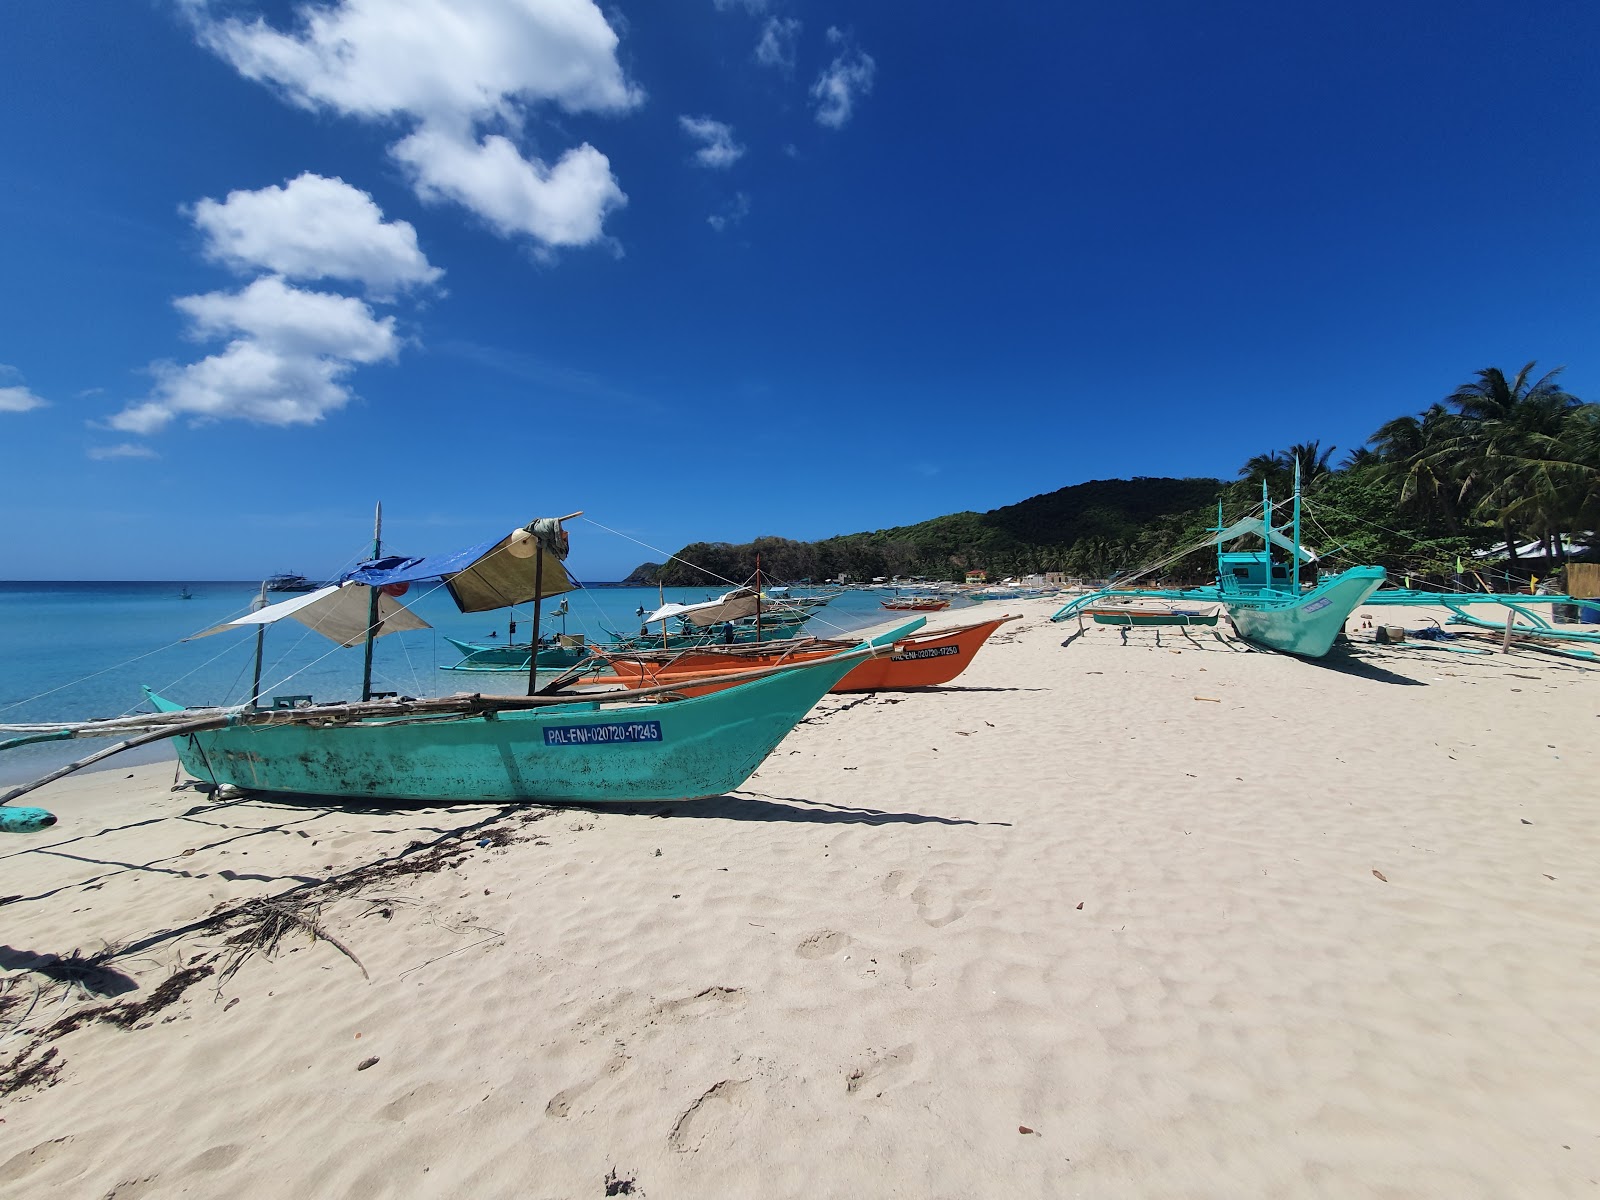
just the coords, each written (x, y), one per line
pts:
(1144, 616)
(585, 753)
(924, 660)
(1305, 626)
(486, 656)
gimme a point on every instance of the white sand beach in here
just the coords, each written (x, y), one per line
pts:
(1095, 920)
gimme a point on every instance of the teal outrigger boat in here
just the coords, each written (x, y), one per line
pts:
(638, 745)
(554, 655)
(1265, 599)
(1270, 606)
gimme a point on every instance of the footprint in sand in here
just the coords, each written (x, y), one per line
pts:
(712, 999)
(938, 913)
(820, 945)
(882, 1067)
(214, 1158)
(414, 1101)
(892, 882)
(561, 1103)
(910, 960)
(705, 1114)
(18, 1166)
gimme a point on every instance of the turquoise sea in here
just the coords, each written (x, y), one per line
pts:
(75, 650)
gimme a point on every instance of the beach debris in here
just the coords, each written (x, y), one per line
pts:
(367, 1062)
(1380, 875)
(1023, 1129)
(658, 852)
(1549, 877)
(1209, 699)
(1080, 903)
(618, 1186)
(266, 922)
(30, 1070)
(1525, 821)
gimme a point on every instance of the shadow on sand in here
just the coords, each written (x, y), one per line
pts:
(92, 974)
(1344, 661)
(758, 806)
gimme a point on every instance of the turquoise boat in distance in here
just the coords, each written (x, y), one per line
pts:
(1265, 600)
(492, 656)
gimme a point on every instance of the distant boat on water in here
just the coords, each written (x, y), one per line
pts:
(288, 582)
(185, 594)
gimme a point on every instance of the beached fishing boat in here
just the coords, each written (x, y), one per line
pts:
(1271, 606)
(916, 603)
(1132, 615)
(637, 745)
(555, 654)
(914, 660)
(1266, 600)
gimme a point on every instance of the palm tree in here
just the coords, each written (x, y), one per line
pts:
(1512, 447)
(1419, 456)
(1313, 460)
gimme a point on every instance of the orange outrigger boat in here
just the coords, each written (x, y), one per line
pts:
(923, 659)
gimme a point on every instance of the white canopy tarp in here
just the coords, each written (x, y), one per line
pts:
(338, 611)
(1255, 525)
(730, 606)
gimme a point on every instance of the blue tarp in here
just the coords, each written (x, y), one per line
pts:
(396, 569)
(480, 578)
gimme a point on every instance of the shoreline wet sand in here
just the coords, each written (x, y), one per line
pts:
(1094, 920)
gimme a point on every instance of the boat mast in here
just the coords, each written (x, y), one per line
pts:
(372, 608)
(261, 640)
(538, 595)
(1296, 524)
(1266, 528)
(1218, 531)
(758, 599)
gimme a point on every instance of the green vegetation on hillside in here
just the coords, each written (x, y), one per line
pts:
(1497, 460)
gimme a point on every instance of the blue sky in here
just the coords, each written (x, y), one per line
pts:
(713, 269)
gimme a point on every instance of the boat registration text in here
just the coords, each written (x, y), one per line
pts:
(930, 652)
(599, 735)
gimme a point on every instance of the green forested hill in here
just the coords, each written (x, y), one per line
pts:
(1088, 528)
(1500, 460)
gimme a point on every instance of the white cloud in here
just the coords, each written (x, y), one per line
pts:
(776, 47)
(435, 60)
(717, 147)
(563, 205)
(18, 399)
(737, 210)
(847, 78)
(122, 450)
(289, 352)
(314, 228)
(447, 68)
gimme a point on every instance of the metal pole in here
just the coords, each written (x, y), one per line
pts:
(538, 595)
(372, 608)
(1296, 524)
(1266, 528)
(261, 640)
